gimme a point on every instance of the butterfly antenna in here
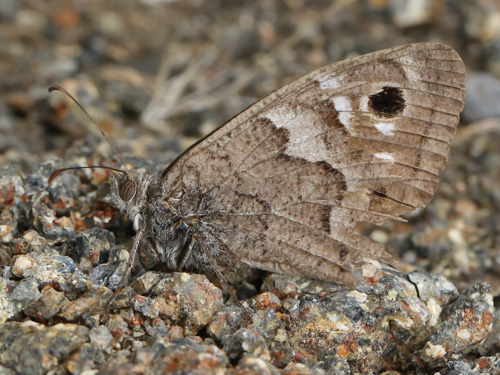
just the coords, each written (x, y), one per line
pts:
(63, 90)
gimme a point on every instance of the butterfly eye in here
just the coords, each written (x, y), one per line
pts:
(127, 190)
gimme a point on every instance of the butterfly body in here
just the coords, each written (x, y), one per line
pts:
(282, 185)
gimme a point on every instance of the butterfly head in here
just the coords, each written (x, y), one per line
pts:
(130, 192)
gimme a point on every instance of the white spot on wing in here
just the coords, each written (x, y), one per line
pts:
(385, 156)
(363, 104)
(343, 106)
(385, 128)
(342, 103)
(302, 126)
(281, 116)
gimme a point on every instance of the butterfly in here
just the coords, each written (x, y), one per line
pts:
(282, 185)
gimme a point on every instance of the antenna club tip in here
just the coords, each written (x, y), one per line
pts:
(55, 88)
(53, 176)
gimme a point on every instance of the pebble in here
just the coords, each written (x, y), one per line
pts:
(64, 248)
(93, 302)
(195, 298)
(47, 223)
(173, 358)
(245, 341)
(51, 268)
(249, 364)
(13, 203)
(102, 337)
(226, 321)
(37, 349)
(469, 320)
(93, 244)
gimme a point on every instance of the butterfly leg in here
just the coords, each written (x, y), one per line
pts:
(130, 263)
(185, 254)
(216, 269)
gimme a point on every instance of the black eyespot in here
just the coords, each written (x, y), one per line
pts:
(127, 190)
(387, 103)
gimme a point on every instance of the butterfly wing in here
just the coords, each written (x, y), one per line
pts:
(283, 184)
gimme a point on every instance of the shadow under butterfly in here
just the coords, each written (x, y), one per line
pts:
(282, 185)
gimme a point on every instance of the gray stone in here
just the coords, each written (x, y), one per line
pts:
(194, 297)
(245, 341)
(50, 303)
(50, 267)
(31, 348)
(249, 364)
(102, 337)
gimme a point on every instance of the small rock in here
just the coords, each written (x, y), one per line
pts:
(433, 286)
(24, 293)
(90, 320)
(196, 298)
(8, 307)
(93, 302)
(100, 275)
(267, 299)
(412, 13)
(86, 359)
(13, 203)
(36, 182)
(31, 242)
(468, 321)
(225, 322)
(195, 358)
(53, 228)
(245, 341)
(102, 337)
(144, 283)
(252, 365)
(63, 191)
(266, 322)
(149, 307)
(296, 369)
(157, 327)
(21, 265)
(117, 326)
(51, 268)
(37, 349)
(111, 274)
(93, 244)
(176, 332)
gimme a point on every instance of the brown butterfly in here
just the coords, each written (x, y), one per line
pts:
(282, 185)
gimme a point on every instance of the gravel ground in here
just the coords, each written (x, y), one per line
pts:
(158, 75)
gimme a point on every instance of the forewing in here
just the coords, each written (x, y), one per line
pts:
(283, 184)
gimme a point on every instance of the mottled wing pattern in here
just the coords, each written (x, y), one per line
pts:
(284, 183)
